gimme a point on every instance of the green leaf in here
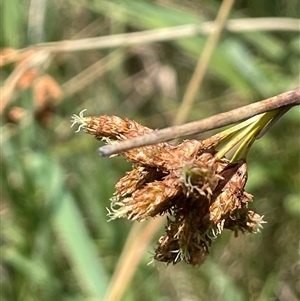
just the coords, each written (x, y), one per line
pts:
(11, 16)
(71, 231)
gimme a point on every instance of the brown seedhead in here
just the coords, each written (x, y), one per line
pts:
(199, 193)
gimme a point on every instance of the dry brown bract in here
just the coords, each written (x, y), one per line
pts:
(200, 194)
(28, 73)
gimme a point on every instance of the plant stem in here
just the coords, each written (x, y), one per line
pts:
(290, 98)
(169, 33)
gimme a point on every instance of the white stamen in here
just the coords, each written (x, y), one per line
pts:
(78, 119)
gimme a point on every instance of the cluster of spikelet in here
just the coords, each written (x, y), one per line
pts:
(199, 193)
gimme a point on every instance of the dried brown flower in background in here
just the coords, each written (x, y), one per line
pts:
(27, 73)
(27, 78)
(47, 94)
(200, 194)
(16, 114)
(8, 55)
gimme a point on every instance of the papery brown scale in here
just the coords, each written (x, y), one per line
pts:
(152, 199)
(173, 157)
(147, 155)
(226, 202)
(167, 247)
(164, 155)
(187, 150)
(246, 197)
(184, 238)
(229, 194)
(135, 179)
(131, 181)
(235, 175)
(221, 165)
(114, 127)
(245, 220)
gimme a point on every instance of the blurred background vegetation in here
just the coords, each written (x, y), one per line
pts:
(56, 243)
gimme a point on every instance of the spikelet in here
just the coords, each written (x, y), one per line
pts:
(229, 194)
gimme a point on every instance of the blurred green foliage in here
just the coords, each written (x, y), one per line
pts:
(56, 243)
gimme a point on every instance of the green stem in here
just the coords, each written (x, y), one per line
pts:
(227, 134)
(246, 133)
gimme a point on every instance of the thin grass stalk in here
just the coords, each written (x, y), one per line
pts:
(286, 99)
(139, 238)
(92, 73)
(202, 64)
(170, 33)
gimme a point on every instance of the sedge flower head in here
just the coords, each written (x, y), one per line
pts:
(199, 193)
